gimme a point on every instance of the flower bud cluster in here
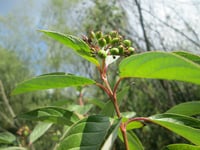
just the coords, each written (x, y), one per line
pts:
(103, 45)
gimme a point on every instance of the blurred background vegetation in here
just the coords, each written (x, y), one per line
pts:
(151, 25)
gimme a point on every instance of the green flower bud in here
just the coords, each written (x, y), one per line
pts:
(127, 43)
(113, 34)
(102, 42)
(25, 133)
(102, 54)
(131, 50)
(114, 51)
(92, 35)
(108, 39)
(115, 41)
(99, 34)
(121, 49)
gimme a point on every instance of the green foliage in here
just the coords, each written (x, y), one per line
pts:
(7, 138)
(11, 73)
(160, 65)
(81, 109)
(76, 44)
(88, 133)
(111, 136)
(181, 147)
(52, 115)
(49, 81)
(187, 108)
(38, 131)
(133, 142)
(185, 126)
(187, 55)
(101, 131)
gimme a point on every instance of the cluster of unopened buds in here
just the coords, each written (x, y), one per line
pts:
(111, 44)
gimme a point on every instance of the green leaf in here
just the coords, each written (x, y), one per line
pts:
(50, 81)
(108, 109)
(182, 125)
(97, 103)
(87, 134)
(181, 147)
(134, 125)
(187, 108)
(190, 56)
(112, 135)
(7, 138)
(133, 141)
(76, 44)
(13, 148)
(52, 115)
(80, 109)
(128, 114)
(39, 130)
(160, 65)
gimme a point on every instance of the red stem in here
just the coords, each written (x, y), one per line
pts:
(124, 134)
(112, 94)
(137, 119)
(80, 99)
(116, 85)
(104, 89)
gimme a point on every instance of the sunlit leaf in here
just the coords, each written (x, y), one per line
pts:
(181, 147)
(39, 130)
(87, 134)
(76, 44)
(128, 114)
(134, 125)
(187, 108)
(190, 56)
(160, 65)
(184, 126)
(52, 115)
(50, 81)
(79, 108)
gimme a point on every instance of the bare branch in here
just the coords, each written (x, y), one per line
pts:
(142, 25)
(6, 101)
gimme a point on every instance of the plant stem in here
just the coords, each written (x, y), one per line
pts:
(138, 119)
(104, 89)
(116, 85)
(123, 130)
(116, 105)
(113, 96)
(80, 98)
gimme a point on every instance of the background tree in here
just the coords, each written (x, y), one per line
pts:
(151, 25)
